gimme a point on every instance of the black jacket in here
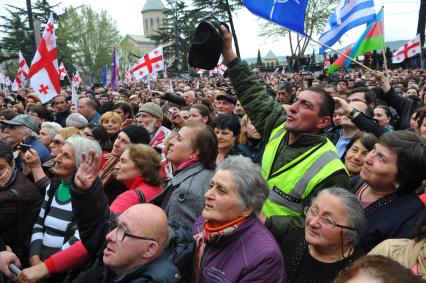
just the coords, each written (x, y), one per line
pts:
(20, 203)
(93, 218)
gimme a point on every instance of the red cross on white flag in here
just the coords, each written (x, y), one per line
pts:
(21, 75)
(149, 63)
(62, 71)
(23, 65)
(44, 74)
(327, 61)
(409, 49)
(76, 79)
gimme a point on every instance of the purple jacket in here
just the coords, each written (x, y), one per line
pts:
(250, 254)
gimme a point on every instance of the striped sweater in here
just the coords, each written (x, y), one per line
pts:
(57, 230)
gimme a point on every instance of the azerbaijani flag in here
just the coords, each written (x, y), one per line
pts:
(338, 64)
(371, 39)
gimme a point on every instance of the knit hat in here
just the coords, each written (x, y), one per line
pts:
(152, 109)
(137, 134)
(76, 120)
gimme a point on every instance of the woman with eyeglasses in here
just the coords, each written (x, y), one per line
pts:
(328, 244)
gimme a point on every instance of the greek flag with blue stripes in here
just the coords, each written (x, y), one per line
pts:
(349, 14)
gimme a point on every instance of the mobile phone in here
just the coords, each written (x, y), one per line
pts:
(14, 269)
(24, 146)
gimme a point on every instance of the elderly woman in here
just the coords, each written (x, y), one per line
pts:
(232, 244)
(59, 139)
(19, 201)
(193, 153)
(333, 225)
(392, 172)
(55, 229)
(227, 129)
(48, 131)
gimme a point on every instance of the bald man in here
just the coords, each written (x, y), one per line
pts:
(132, 247)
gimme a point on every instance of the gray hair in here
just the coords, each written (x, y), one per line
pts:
(251, 187)
(353, 209)
(52, 128)
(82, 145)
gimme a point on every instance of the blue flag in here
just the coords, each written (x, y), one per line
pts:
(287, 13)
(104, 76)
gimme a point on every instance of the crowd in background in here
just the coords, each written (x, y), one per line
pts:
(249, 177)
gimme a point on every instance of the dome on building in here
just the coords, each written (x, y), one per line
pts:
(153, 5)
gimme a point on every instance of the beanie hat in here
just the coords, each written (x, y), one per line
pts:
(76, 120)
(152, 109)
(137, 134)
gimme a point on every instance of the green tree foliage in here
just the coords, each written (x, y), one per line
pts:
(317, 14)
(17, 35)
(87, 38)
(178, 28)
(259, 62)
(222, 10)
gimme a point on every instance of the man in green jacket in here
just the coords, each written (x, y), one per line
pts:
(299, 160)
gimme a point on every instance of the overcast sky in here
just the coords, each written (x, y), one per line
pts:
(401, 18)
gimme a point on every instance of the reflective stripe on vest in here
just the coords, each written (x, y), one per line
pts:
(293, 200)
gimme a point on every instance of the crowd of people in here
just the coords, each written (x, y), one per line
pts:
(249, 177)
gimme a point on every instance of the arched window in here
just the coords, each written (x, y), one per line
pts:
(158, 23)
(146, 24)
(152, 22)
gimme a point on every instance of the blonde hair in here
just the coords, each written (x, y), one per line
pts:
(110, 115)
(147, 160)
(68, 132)
(243, 134)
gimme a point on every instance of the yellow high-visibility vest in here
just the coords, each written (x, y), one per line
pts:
(293, 183)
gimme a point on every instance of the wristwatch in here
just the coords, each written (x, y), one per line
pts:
(355, 112)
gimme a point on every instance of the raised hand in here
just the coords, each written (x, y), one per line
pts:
(343, 105)
(88, 170)
(227, 50)
(30, 158)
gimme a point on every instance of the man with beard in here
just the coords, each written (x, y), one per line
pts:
(150, 116)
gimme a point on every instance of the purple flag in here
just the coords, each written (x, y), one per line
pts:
(114, 71)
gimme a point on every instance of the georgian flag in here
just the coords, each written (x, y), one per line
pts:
(62, 71)
(150, 63)
(76, 79)
(219, 69)
(44, 73)
(409, 49)
(23, 65)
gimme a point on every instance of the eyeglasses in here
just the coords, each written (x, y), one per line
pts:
(57, 142)
(121, 234)
(323, 220)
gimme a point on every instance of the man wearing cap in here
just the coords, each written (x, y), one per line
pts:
(298, 160)
(23, 129)
(225, 104)
(150, 116)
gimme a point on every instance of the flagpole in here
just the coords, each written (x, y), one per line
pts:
(337, 51)
(383, 46)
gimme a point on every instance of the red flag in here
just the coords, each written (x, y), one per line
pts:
(44, 72)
